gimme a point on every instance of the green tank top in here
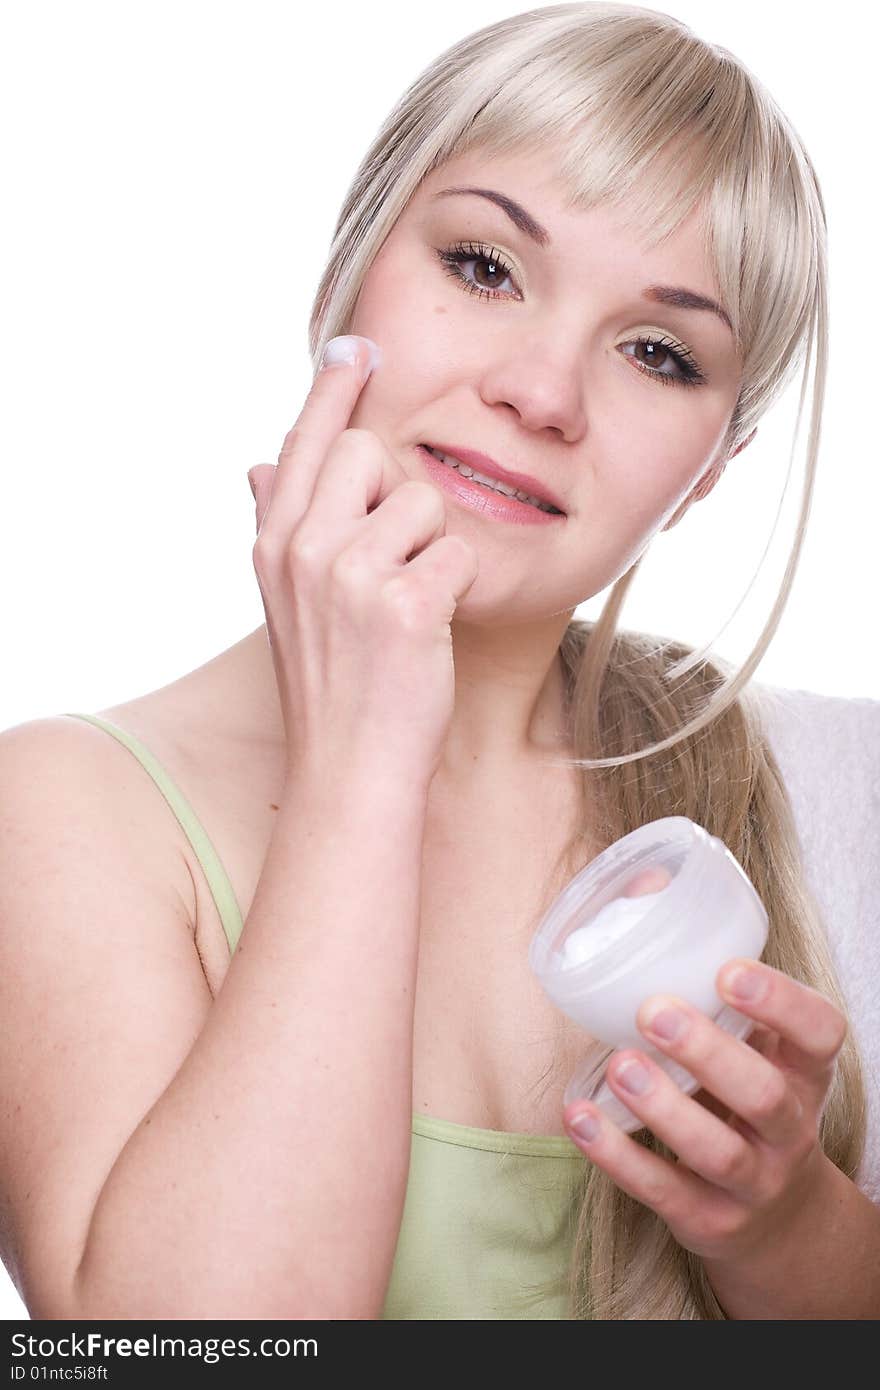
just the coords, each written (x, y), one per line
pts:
(489, 1216)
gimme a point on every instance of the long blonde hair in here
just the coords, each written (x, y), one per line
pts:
(622, 91)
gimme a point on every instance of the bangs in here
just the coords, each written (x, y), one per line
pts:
(661, 128)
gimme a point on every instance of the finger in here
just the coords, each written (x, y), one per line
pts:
(450, 561)
(665, 1187)
(412, 514)
(738, 1076)
(358, 474)
(261, 478)
(811, 1029)
(706, 1144)
(328, 407)
(408, 530)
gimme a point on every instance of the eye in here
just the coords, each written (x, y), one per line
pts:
(466, 252)
(685, 364)
(659, 349)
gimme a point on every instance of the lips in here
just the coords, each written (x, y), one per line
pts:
(482, 463)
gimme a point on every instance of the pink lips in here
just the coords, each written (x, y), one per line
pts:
(483, 500)
(482, 463)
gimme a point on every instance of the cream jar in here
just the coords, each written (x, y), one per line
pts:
(658, 912)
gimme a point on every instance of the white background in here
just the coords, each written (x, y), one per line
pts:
(171, 174)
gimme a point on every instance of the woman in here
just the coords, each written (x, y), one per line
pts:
(306, 1101)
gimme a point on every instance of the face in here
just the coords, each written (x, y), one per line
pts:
(531, 355)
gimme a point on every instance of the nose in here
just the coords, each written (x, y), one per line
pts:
(544, 389)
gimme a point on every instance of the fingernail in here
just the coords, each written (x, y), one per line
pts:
(251, 486)
(585, 1126)
(345, 349)
(667, 1024)
(744, 983)
(633, 1077)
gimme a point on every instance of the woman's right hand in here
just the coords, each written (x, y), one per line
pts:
(359, 631)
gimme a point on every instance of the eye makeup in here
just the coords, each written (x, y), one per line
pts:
(456, 257)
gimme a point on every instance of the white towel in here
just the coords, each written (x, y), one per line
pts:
(828, 750)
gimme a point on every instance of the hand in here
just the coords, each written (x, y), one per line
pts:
(359, 584)
(748, 1145)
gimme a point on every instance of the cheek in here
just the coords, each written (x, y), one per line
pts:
(652, 464)
(637, 485)
(416, 357)
(398, 299)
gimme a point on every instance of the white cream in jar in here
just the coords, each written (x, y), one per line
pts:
(658, 912)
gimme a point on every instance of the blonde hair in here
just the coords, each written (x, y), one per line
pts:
(641, 111)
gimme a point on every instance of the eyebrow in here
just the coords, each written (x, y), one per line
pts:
(674, 295)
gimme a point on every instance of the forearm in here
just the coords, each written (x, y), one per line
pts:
(268, 1180)
(826, 1265)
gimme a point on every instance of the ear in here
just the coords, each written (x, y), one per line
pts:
(706, 483)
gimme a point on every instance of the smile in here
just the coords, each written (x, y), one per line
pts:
(491, 483)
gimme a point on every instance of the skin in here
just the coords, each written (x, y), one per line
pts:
(535, 378)
(542, 377)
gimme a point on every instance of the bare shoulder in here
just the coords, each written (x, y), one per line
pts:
(71, 776)
(102, 994)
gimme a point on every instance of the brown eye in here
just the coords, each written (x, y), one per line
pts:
(656, 355)
(493, 268)
(652, 354)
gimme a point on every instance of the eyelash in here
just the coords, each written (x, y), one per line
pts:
(453, 258)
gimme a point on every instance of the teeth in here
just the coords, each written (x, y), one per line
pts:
(490, 482)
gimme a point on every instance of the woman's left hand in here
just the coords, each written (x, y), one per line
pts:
(748, 1144)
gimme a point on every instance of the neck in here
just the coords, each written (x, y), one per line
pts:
(509, 697)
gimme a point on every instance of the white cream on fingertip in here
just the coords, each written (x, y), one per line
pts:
(344, 349)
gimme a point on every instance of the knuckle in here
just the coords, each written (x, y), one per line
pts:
(409, 605)
(733, 1163)
(305, 551)
(350, 567)
(770, 1097)
(363, 441)
(724, 1223)
(462, 556)
(263, 552)
(465, 550)
(428, 496)
(657, 1195)
(422, 500)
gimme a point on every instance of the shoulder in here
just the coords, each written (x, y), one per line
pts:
(62, 777)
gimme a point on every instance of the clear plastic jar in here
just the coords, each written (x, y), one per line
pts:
(707, 913)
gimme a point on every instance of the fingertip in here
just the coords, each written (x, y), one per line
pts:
(743, 983)
(585, 1125)
(347, 350)
(374, 358)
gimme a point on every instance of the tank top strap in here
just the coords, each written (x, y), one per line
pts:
(215, 874)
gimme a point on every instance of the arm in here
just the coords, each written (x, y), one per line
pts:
(163, 1154)
(268, 1180)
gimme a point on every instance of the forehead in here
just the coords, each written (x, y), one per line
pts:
(533, 180)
